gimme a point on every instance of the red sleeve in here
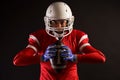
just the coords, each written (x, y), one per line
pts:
(26, 57)
(88, 53)
(91, 55)
(29, 55)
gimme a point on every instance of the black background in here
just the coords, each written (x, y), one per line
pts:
(99, 19)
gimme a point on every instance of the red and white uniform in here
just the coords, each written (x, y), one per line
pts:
(77, 41)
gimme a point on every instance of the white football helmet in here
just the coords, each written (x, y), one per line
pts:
(59, 11)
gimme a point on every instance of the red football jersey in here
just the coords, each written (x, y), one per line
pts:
(77, 41)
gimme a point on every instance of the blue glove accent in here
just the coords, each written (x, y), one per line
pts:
(49, 53)
(67, 54)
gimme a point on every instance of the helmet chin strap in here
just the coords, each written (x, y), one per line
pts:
(58, 35)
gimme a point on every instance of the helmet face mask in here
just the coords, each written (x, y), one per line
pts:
(59, 11)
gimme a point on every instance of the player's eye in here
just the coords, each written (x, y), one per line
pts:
(52, 22)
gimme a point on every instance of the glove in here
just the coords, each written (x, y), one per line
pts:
(49, 53)
(67, 54)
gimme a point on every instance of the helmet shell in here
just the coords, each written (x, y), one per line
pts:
(59, 11)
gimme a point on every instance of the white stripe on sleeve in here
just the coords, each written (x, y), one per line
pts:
(84, 45)
(33, 47)
(83, 37)
(34, 38)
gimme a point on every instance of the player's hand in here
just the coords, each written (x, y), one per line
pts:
(67, 54)
(49, 53)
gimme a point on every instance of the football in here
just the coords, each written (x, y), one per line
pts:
(58, 63)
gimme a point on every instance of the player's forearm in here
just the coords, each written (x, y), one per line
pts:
(26, 57)
(93, 57)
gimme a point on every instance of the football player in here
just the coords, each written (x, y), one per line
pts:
(58, 37)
